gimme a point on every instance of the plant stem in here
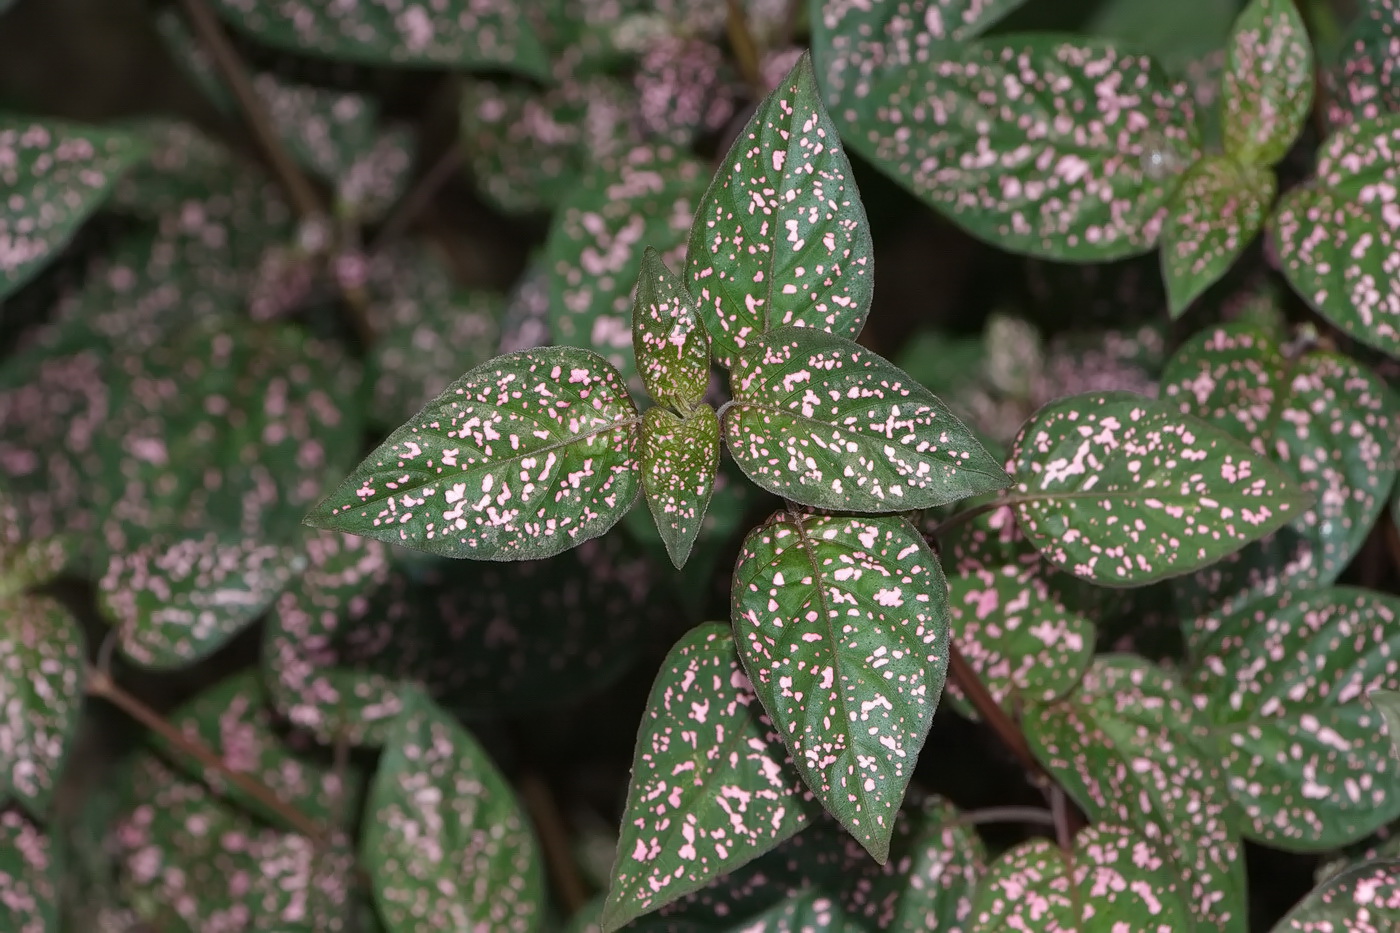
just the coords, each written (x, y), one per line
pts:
(412, 204)
(958, 519)
(1038, 815)
(987, 707)
(745, 49)
(554, 843)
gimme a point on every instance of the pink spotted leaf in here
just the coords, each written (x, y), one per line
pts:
(1115, 878)
(41, 693)
(712, 785)
(1367, 896)
(29, 874)
(1268, 82)
(1364, 81)
(1218, 210)
(524, 457)
(1123, 490)
(1130, 748)
(780, 237)
(1306, 758)
(825, 422)
(446, 843)
(670, 343)
(1338, 237)
(25, 562)
(843, 626)
(680, 457)
(1387, 703)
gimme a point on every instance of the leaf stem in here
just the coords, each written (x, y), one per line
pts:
(1038, 815)
(958, 519)
(418, 198)
(554, 842)
(746, 54)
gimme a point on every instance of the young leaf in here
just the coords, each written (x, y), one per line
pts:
(1215, 214)
(672, 348)
(55, 176)
(1307, 761)
(1268, 82)
(1337, 237)
(176, 600)
(446, 844)
(781, 238)
(842, 623)
(680, 457)
(29, 878)
(41, 691)
(1387, 703)
(523, 457)
(1362, 898)
(712, 785)
(825, 422)
(1123, 490)
(1116, 878)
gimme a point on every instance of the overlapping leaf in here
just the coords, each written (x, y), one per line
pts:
(523, 457)
(1123, 490)
(1306, 759)
(1132, 750)
(447, 845)
(1367, 896)
(680, 457)
(1115, 878)
(1219, 208)
(1268, 82)
(780, 237)
(823, 421)
(1336, 236)
(1364, 83)
(670, 343)
(712, 785)
(28, 875)
(842, 623)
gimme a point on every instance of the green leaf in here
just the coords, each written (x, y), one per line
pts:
(1364, 82)
(1366, 897)
(1337, 238)
(672, 348)
(29, 880)
(177, 600)
(781, 238)
(1130, 749)
(1216, 213)
(523, 457)
(56, 176)
(712, 785)
(803, 912)
(680, 457)
(446, 844)
(1116, 878)
(828, 423)
(41, 690)
(1123, 490)
(419, 33)
(1175, 34)
(1284, 676)
(1268, 82)
(842, 623)
(1387, 703)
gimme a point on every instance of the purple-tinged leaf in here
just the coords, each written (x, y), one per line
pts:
(1338, 237)
(177, 600)
(461, 34)
(1364, 82)
(842, 623)
(1116, 878)
(1387, 703)
(1268, 82)
(1123, 490)
(55, 176)
(41, 693)
(1363, 898)
(1284, 677)
(825, 422)
(523, 457)
(712, 785)
(680, 457)
(780, 237)
(1219, 208)
(446, 844)
(1131, 749)
(28, 875)
(685, 88)
(670, 343)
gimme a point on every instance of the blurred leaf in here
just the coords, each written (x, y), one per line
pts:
(56, 175)
(25, 563)
(1123, 490)
(181, 164)
(1365, 896)
(499, 501)
(782, 218)
(445, 842)
(41, 691)
(28, 874)
(854, 707)
(1269, 80)
(1336, 236)
(861, 435)
(686, 86)
(525, 320)
(1174, 34)
(670, 343)
(1387, 703)
(679, 460)
(803, 912)
(1216, 213)
(1364, 83)
(1283, 676)
(712, 785)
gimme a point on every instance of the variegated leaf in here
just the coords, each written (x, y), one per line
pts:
(670, 343)
(1268, 82)
(1364, 81)
(680, 457)
(1366, 897)
(29, 874)
(1387, 703)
